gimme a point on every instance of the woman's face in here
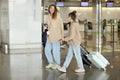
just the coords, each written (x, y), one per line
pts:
(69, 18)
(52, 9)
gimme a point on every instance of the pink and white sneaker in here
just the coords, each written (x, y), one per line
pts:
(62, 69)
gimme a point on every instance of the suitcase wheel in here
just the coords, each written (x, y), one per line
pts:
(90, 67)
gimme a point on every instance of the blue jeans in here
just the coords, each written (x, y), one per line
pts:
(74, 49)
(55, 49)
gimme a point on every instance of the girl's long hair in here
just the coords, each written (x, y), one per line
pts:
(54, 16)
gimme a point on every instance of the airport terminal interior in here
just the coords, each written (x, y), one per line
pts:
(22, 23)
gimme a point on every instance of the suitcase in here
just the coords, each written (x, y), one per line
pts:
(84, 52)
(98, 60)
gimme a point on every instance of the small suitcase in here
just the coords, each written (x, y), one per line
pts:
(84, 52)
(98, 60)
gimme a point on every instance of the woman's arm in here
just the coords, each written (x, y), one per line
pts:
(72, 34)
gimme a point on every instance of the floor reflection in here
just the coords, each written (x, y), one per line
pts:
(93, 74)
(56, 75)
(80, 76)
(21, 67)
(52, 74)
(98, 75)
(63, 76)
(4, 67)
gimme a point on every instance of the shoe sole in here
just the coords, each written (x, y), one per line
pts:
(48, 67)
(79, 71)
(61, 70)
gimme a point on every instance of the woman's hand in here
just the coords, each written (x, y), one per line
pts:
(66, 39)
(48, 32)
(61, 40)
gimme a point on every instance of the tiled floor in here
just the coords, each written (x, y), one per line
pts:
(21, 66)
(31, 67)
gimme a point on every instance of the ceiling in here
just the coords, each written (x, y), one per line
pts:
(116, 1)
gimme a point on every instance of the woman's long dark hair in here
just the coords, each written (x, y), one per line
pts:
(55, 12)
(72, 15)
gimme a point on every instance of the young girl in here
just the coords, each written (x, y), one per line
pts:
(56, 33)
(74, 40)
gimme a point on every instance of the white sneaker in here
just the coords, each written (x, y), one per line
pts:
(62, 69)
(80, 70)
(49, 66)
(55, 66)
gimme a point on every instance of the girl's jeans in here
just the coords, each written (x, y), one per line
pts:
(74, 49)
(55, 49)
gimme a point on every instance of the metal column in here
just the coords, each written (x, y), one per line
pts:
(98, 25)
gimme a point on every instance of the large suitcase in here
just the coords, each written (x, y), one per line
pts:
(84, 52)
(98, 60)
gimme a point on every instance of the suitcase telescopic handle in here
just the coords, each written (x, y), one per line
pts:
(84, 50)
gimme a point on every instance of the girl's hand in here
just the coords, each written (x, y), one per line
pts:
(48, 32)
(66, 39)
(63, 39)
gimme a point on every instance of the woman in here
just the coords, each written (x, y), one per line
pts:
(74, 40)
(55, 35)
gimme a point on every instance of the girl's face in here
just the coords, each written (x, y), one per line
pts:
(52, 9)
(69, 18)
